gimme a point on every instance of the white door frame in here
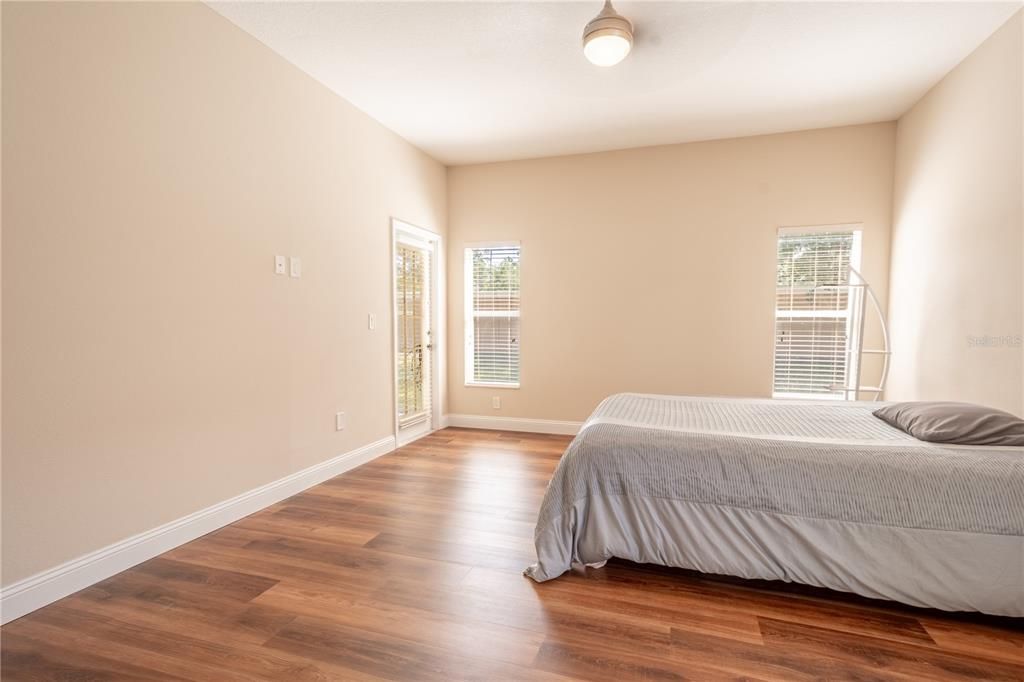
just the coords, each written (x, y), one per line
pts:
(431, 241)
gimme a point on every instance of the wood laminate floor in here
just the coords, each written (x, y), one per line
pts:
(408, 568)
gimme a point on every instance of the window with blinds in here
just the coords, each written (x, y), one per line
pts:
(492, 315)
(814, 346)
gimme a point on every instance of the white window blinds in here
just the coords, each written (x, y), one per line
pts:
(492, 315)
(813, 340)
(412, 301)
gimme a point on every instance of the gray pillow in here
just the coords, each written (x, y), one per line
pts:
(961, 423)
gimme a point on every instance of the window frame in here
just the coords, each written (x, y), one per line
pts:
(854, 346)
(469, 314)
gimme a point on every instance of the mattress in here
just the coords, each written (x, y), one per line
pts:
(809, 491)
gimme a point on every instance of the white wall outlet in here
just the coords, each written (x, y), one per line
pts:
(371, 321)
(280, 266)
(296, 264)
(339, 421)
(496, 402)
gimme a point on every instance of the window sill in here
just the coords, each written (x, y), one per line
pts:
(484, 384)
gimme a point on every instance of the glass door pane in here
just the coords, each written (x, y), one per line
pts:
(412, 302)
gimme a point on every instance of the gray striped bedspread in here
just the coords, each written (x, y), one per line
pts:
(644, 467)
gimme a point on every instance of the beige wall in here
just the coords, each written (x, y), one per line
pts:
(653, 269)
(957, 234)
(156, 159)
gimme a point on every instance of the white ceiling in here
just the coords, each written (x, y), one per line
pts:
(472, 82)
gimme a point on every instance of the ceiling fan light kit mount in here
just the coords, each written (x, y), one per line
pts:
(608, 37)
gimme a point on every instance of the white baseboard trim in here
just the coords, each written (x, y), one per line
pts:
(474, 421)
(48, 586)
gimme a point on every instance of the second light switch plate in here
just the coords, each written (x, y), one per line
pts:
(296, 264)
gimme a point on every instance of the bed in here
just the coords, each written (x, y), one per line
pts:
(812, 492)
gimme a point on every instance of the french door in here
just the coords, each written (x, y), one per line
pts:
(414, 344)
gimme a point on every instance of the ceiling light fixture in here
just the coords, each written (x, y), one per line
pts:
(607, 37)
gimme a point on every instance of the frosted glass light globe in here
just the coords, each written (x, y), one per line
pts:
(606, 50)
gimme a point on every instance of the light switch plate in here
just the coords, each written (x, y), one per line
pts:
(296, 264)
(339, 421)
(496, 402)
(371, 321)
(280, 266)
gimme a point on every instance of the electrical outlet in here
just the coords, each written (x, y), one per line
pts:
(296, 264)
(280, 267)
(339, 421)
(496, 402)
